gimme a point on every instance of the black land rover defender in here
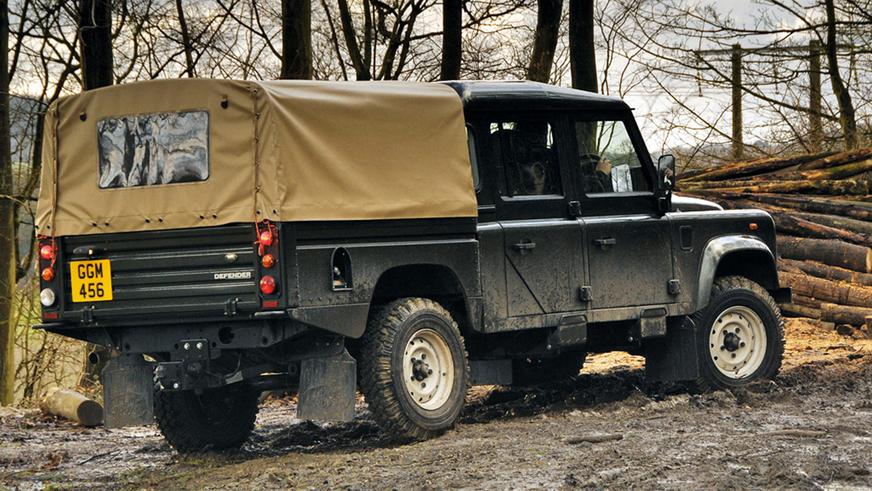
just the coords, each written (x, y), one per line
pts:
(224, 238)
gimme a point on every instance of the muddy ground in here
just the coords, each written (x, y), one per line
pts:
(811, 428)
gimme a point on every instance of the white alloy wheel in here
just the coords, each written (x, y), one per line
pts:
(428, 369)
(737, 342)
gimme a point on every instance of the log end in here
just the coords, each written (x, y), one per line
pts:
(90, 413)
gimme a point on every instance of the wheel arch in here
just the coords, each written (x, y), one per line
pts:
(736, 255)
(437, 282)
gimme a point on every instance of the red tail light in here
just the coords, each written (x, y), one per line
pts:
(266, 237)
(267, 285)
(47, 252)
(48, 274)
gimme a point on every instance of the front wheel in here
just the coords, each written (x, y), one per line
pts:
(413, 369)
(740, 335)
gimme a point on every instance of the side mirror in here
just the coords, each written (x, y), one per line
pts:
(666, 172)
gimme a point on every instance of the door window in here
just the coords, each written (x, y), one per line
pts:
(607, 159)
(527, 153)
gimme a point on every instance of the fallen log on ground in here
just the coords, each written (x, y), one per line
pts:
(845, 314)
(811, 204)
(826, 290)
(826, 272)
(838, 172)
(71, 405)
(831, 252)
(795, 310)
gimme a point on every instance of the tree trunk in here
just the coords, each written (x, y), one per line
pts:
(95, 31)
(845, 314)
(826, 272)
(810, 204)
(7, 224)
(582, 50)
(186, 40)
(71, 405)
(826, 290)
(838, 172)
(297, 39)
(360, 68)
(831, 252)
(545, 40)
(744, 169)
(860, 186)
(846, 107)
(452, 39)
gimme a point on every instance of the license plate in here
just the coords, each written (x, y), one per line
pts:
(91, 281)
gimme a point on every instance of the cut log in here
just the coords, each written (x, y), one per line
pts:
(794, 310)
(838, 172)
(71, 405)
(826, 272)
(845, 314)
(814, 204)
(832, 252)
(806, 301)
(742, 169)
(837, 159)
(836, 221)
(786, 223)
(858, 186)
(826, 290)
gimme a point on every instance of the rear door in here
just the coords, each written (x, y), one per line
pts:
(629, 246)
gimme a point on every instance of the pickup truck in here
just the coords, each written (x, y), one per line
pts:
(224, 238)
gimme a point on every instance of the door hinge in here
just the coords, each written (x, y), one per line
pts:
(674, 287)
(584, 294)
(575, 208)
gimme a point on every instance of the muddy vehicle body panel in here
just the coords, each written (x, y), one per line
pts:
(575, 246)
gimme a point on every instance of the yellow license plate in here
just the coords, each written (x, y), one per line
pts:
(91, 281)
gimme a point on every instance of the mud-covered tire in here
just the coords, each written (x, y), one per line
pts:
(535, 371)
(396, 334)
(217, 419)
(728, 332)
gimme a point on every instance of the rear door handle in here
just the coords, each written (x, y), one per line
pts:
(605, 242)
(524, 246)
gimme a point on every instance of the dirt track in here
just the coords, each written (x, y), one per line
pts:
(811, 428)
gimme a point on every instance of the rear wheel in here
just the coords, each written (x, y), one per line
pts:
(217, 419)
(413, 368)
(740, 335)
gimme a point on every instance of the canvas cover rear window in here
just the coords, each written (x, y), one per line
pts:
(153, 149)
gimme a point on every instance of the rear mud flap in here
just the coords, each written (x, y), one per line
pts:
(328, 387)
(128, 392)
(673, 358)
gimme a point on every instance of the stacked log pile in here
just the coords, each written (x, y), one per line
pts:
(822, 208)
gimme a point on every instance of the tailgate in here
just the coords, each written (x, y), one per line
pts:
(191, 273)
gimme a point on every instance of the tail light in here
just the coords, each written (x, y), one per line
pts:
(267, 285)
(47, 252)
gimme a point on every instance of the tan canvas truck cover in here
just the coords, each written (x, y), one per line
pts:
(196, 152)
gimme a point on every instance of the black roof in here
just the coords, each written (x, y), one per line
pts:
(530, 95)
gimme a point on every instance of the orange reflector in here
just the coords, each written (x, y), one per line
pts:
(752, 226)
(47, 274)
(268, 261)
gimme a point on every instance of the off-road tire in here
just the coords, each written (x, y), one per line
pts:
(380, 368)
(727, 292)
(216, 420)
(535, 371)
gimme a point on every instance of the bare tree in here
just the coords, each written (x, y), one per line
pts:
(186, 40)
(843, 97)
(296, 39)
(545, 40)
(452, 39)
(7, 222)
